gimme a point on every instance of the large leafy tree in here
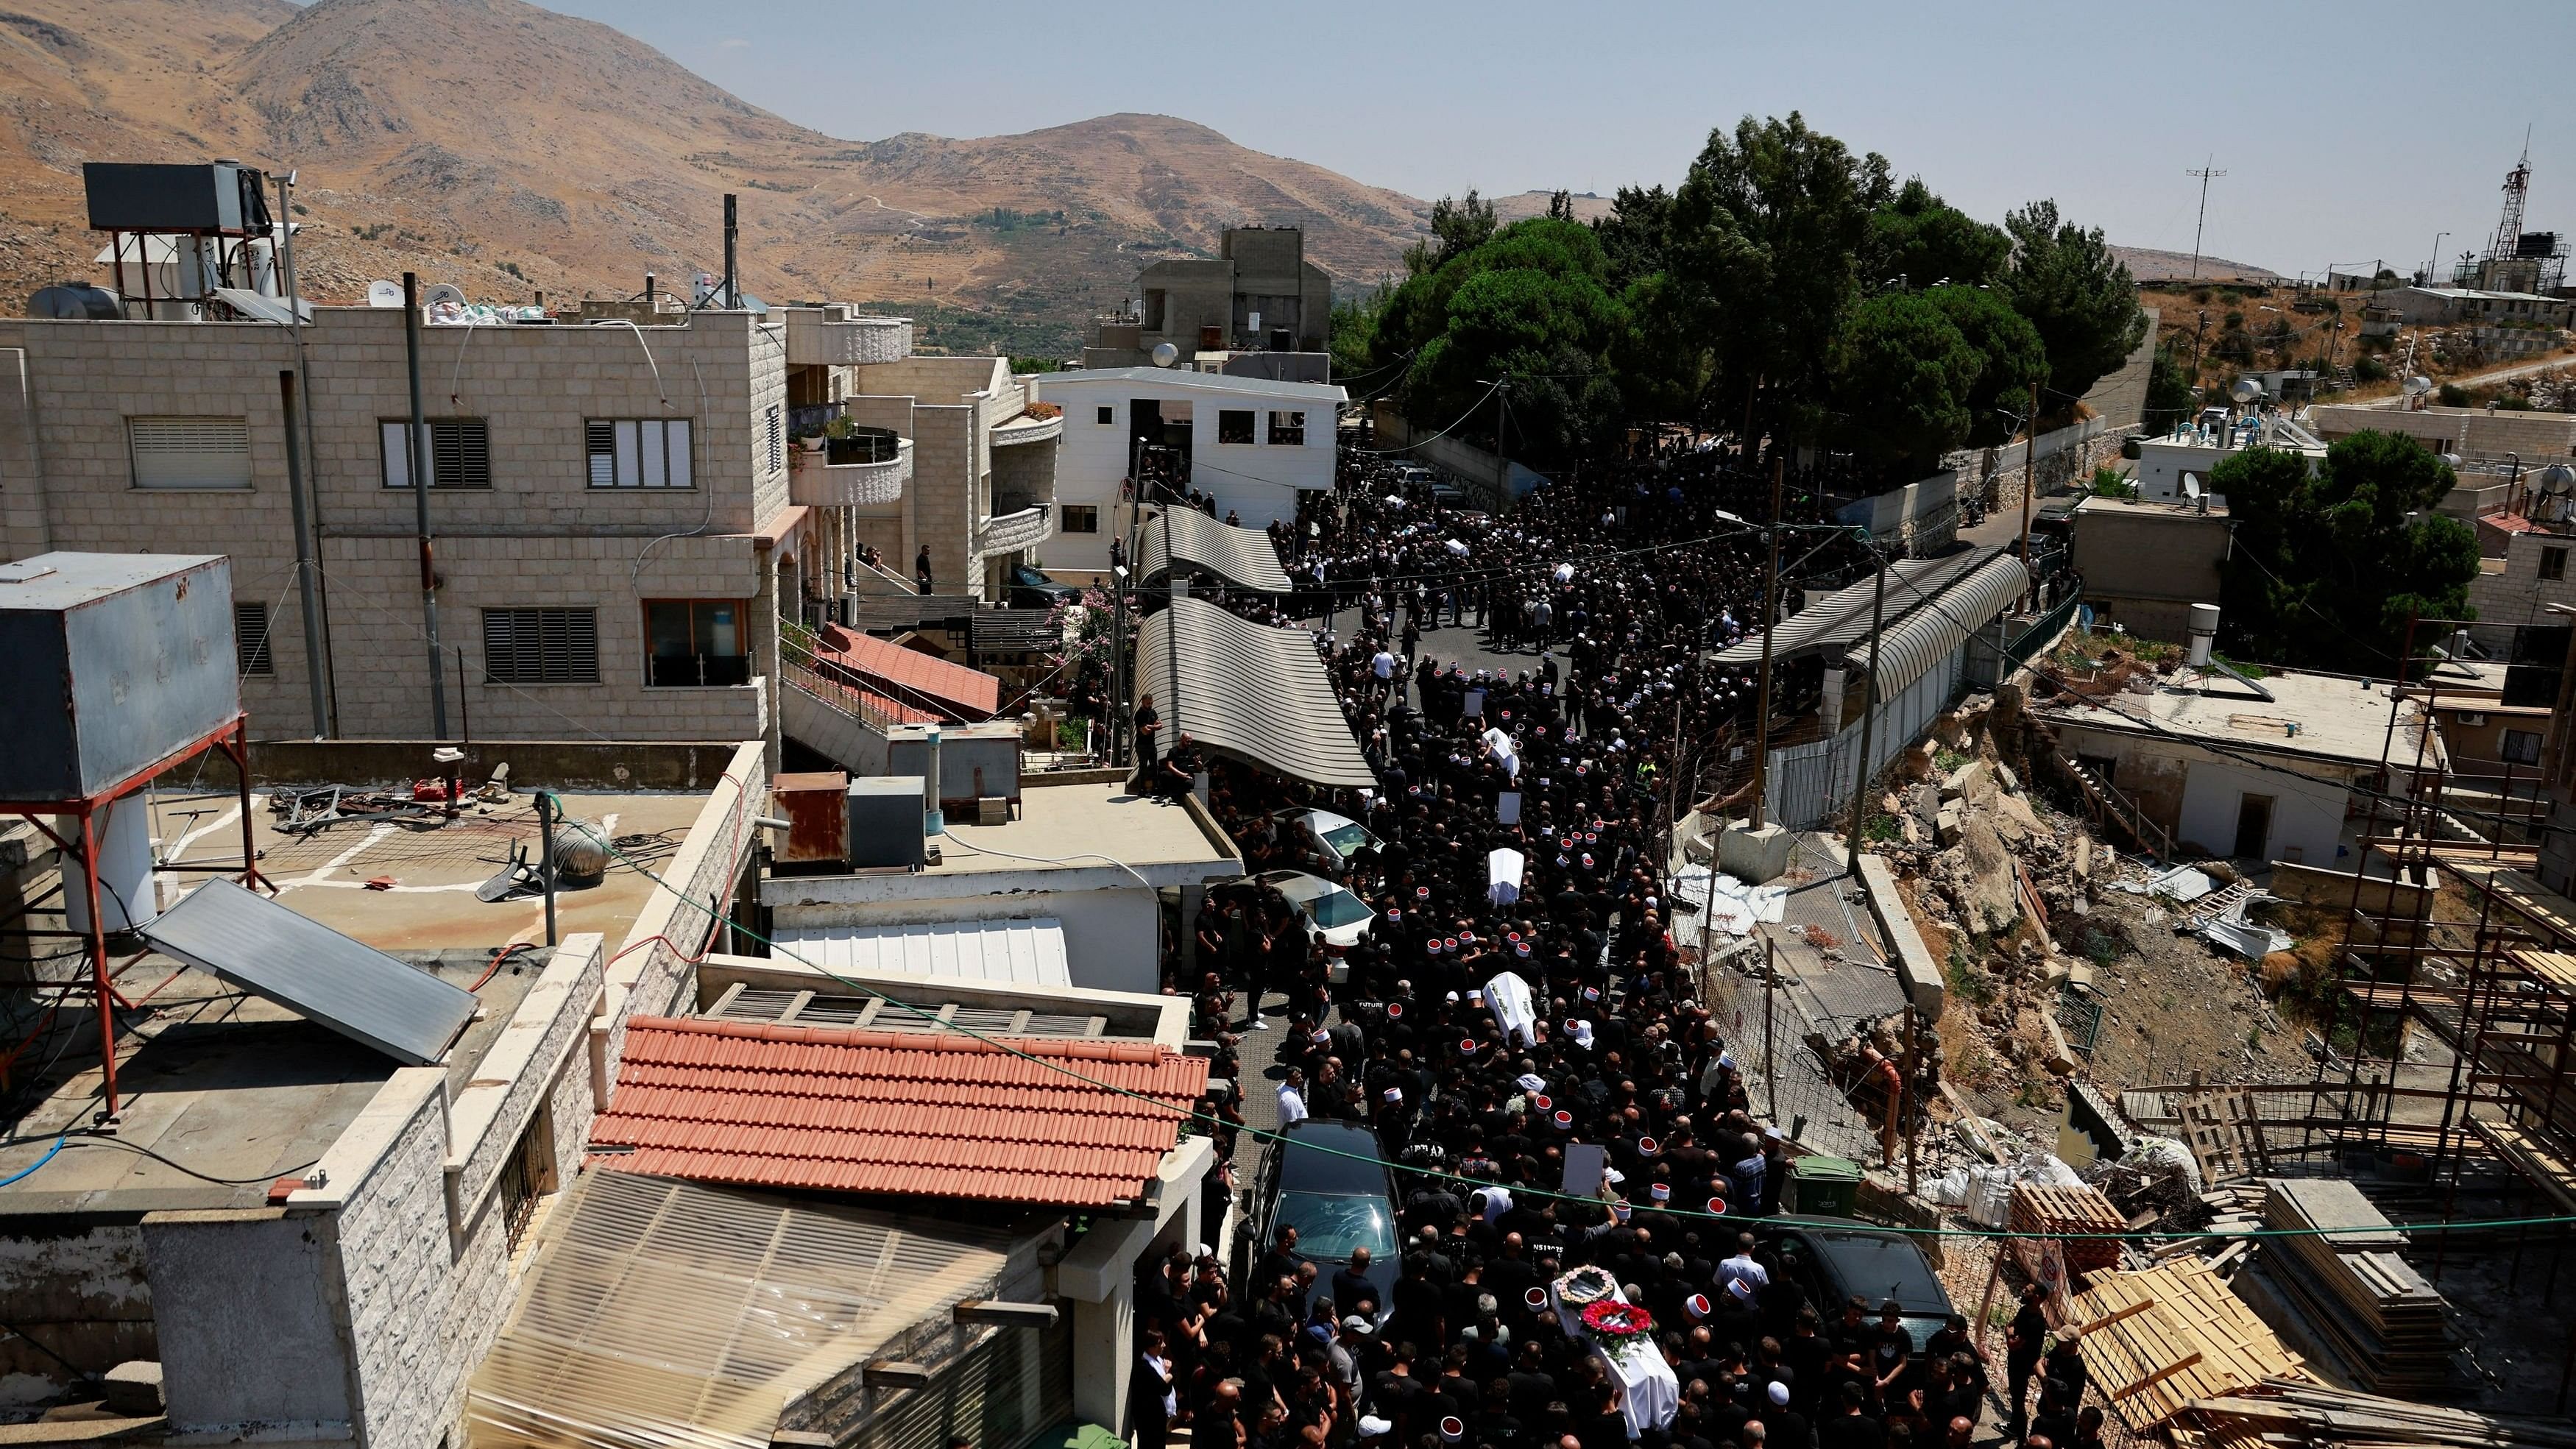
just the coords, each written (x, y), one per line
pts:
(2011, 359)
(2327, 564)
(1531, 306)
(1766, 232)
(1903, 375)
(1917, 240)
(2170, 395)
(1457, 228)
(2080, 297)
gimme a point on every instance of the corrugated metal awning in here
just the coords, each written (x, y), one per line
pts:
(1802, 632)
(1018, 953)
(676, 1314)
(1247, 690)
(274, 953)
(1238, 555)
(1911, 648)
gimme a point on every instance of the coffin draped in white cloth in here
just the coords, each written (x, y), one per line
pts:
(1649, 1395)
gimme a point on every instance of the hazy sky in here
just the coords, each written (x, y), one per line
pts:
(2102, 107)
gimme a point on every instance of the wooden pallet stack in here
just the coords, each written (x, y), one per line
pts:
(2157, 1339)
(2364, 1308)
(2043, 1209)
(2235, 1207)
(2287, 1411)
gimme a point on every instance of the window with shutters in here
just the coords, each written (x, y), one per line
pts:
(189, 453)
(250, 639)
(639, 453)
(540, 646)
(777, 439)
(460, 452)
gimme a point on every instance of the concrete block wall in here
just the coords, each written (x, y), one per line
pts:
(539, 535)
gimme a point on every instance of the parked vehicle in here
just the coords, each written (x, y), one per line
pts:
(1332, 914)
(1032, 589)
(1331, 839)
(1329, 1181)
(1835, 1260)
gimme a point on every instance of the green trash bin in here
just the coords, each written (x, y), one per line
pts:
(1822, 1187)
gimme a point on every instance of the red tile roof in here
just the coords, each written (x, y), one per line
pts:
(955, 691)
(895, 1112)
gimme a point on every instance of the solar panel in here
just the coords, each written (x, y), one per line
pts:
(354, 989)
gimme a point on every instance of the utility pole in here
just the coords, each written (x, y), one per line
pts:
(316, 651)
(2433, 268)
(1770, 984)
(420, 507)
(1868, 707)
(1770, 618)
(2029, 485)
(303, 557)
(2206, 173)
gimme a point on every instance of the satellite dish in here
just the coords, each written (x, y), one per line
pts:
(2558, 478)
(443, 293)
(1165, 354)
(384, 294)
(2246, 390)
(2417, 385)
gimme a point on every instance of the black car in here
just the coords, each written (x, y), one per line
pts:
(1032, 589)
(1835, 1259)
(1329, 1182)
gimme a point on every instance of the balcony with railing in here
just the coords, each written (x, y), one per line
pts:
(832, 336)
(871, 466)
(1007, 532)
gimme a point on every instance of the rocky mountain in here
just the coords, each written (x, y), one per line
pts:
(507, 148)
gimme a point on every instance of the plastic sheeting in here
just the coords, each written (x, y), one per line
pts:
(1727, 906)
(666, 1313)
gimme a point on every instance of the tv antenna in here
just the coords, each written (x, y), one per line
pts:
(2206, 173)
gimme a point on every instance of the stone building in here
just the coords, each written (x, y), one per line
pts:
(620, 512)
(1258, 292)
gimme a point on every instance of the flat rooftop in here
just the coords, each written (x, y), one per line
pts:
(2175, 508)
(225, 1085)
(2318, 716)
(1067, 828)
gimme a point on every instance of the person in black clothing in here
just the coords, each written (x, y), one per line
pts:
(921, 569)
(1152, 1397)
(2022, 1343)
(1849, 1428)
(1149, 727)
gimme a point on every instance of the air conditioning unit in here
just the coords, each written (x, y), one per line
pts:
(2473, 717)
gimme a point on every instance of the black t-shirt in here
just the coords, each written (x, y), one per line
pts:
(1531, 1394)
(1851, 1431)
(2030, 1327)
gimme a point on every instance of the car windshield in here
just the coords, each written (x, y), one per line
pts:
(1346, 839)
(1330, 1225)
(1879, 1268)
(1340, 908)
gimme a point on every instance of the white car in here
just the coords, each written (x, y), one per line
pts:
(1332, 838)
(1332, 915)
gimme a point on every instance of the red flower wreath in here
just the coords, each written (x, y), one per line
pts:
(1614, 1323)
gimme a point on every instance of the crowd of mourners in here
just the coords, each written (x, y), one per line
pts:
(1491, 1020)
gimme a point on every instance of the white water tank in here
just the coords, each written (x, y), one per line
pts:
(125, 888)
(2204, 634)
